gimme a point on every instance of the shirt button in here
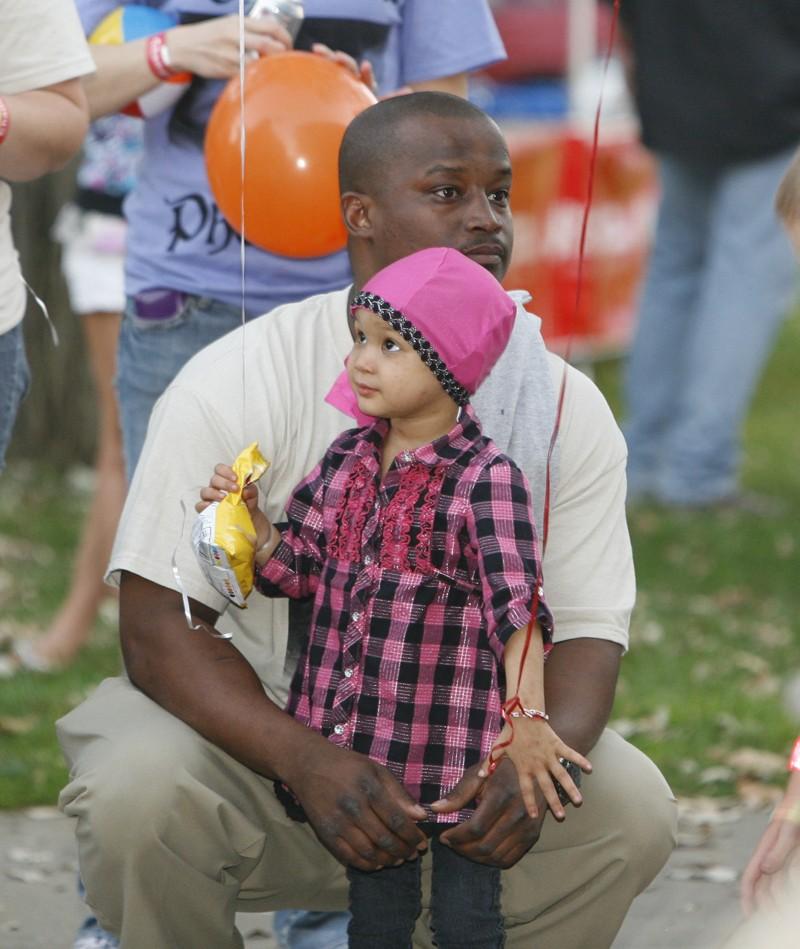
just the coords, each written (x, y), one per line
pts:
(406, 456)
(348, 673)
(356, 616)
(339, 729)
(368, 560)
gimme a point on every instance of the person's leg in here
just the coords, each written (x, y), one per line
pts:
(302, 929)
(72, 625)
(14, 381)
(384, 906)
(465, 902)
(175, 836)
(750, 277)
(151, 353)
(656, 367)
(575, 887)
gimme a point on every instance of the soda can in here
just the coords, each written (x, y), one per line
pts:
(289, 13)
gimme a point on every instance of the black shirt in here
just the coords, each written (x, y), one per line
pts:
(716, 80)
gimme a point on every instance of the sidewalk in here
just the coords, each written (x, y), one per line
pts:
(693, 904)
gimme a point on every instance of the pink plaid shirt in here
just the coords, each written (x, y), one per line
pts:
(418, 582)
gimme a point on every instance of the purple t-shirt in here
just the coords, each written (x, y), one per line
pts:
(177, 236)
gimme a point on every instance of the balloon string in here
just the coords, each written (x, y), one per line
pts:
(573, 316)
(242, 155)
(514, 703)
(187, 608)
(43, 307)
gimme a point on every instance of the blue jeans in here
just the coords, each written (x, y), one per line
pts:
(14, 381)
(465, 904)
(152, 351)
(720, 280)
(303, 929)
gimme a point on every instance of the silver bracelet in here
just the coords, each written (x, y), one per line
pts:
(530, 713)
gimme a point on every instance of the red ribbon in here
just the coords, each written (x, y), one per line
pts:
(514, 703)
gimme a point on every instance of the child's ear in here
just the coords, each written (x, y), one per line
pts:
(356, 211)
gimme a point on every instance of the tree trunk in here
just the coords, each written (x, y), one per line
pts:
(56, 422)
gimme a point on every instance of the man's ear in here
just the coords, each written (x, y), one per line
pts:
(357, 213)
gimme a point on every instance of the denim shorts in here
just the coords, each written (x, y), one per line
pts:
(157, 338)
(14, 381)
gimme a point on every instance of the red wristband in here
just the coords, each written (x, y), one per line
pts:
(794, 757)
(5, 120)
(158, 57)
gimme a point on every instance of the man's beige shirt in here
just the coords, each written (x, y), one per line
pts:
(268, 383)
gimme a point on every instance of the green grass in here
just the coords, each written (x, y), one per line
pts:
(40, 514)
(715, 634)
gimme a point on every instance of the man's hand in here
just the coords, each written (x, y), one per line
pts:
(500, 832)
(357, 809)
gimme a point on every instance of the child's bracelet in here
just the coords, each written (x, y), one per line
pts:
(522, 712)
(5, 120)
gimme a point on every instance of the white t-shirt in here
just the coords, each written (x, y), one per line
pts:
(288, 363)
(41, 43)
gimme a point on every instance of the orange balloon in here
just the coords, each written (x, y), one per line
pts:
(296, 108)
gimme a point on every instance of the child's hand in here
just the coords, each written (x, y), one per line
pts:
(222, 483)
(535, 751)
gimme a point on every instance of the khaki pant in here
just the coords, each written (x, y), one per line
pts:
(175, 837)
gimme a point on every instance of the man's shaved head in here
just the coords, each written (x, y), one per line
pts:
(373, 139)
(425, 170)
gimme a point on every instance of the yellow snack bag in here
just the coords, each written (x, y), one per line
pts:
(223, 536)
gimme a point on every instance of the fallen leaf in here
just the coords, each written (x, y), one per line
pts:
(772, 635)
(731, 597)
(693, 836)
(716, 774)
(709, 810)
(785, 546)
(649, 633)
(729, 723)
(15, 548)
(702, 671)
(708, 873)
(654, 724)
(762, 686)
(9, 725)
(757, 795)
(24, 875)
(756, 763)
(25, 855)
(43, 813)
(751, 662)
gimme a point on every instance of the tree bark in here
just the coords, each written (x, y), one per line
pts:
(56, 422)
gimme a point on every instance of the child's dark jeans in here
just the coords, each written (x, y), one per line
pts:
(465, 904)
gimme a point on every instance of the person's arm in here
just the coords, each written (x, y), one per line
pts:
(358, 810)
(779, 843)
(45, 129)
(209, 49)
(580, 676)
(295, 571)
(588, 570)
(529, 741)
